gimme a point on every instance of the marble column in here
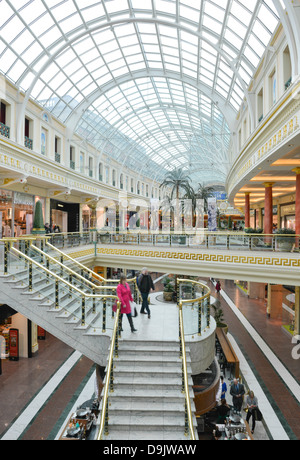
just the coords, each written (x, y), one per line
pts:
(247, 210)
(297, 171)
(297, 311)
(268, 220)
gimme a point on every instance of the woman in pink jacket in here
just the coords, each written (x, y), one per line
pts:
(125, 297)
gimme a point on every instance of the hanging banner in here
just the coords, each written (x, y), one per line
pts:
(212, 214)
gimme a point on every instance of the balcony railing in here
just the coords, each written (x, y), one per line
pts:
(4, 130)
(72, 165)
(57, 157)
(28, 143)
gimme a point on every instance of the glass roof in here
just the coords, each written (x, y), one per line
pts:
(156, 84)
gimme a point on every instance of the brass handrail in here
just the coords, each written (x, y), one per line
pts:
(189, 427)
(199, 299)
(49, 272)
(104, 415)
(95, 275)
(69, 270)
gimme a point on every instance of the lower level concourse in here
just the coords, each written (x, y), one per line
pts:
(39, 395)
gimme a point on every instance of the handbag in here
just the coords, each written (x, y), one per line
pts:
(134, 312)
(258, 415)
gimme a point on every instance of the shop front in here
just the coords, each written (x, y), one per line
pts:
(65, 216)
(16, 213)
(288, 216)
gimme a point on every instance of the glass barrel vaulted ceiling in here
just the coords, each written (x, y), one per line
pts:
(156, 84)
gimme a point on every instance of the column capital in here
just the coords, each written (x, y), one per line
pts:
(249, 193)
(269, 184)
(296, 171)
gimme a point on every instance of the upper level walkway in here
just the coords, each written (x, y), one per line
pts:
(268, 258)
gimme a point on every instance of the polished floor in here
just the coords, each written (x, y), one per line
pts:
(37, 395)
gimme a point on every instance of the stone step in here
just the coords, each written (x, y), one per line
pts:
(158, 422)
(157, 373)
(145, 382)
(148, 361)
(138, 394)
(144, 435)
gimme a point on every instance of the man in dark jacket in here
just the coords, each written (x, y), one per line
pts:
(237, 392)
(145, 284)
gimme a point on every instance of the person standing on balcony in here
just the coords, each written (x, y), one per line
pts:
(218, 287)
(125, 297)
(145, 284)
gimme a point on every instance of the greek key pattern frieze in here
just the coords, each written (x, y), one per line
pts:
(200, 257)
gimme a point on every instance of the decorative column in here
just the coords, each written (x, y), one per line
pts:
(297, 171)
(268, 220)
(297, 311)
(247, 210)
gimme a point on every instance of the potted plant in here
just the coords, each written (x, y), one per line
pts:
(168, 290)
(219, 316)
(285, 243)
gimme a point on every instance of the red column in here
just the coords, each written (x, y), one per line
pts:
(247, 210)
(268, 219)
(297, 171)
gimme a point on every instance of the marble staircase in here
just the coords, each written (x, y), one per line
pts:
(147, 402)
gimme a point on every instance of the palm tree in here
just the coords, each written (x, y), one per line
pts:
(204, 193)
(177, 179)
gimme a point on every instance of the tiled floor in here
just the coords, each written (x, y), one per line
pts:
(37, 395)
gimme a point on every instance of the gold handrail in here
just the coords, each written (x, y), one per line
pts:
(108, 375)
(69, 270)
(54, 275)
(96, 275)
(199, 299)
(185, 375)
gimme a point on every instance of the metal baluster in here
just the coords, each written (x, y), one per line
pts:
(56, 294)
(6, 251)
(104, 316)
(94, 300)
(186, 424)
(208, 311)
(199, 318)
(83, 312)
(106, 432)
(70, 288)
(30, 277)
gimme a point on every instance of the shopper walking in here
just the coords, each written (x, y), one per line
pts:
(252, 406)
(218, 287)
(145, 284)
(224, 388)
(125, 297)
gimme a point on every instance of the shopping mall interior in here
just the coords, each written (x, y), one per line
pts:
(149, 220)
